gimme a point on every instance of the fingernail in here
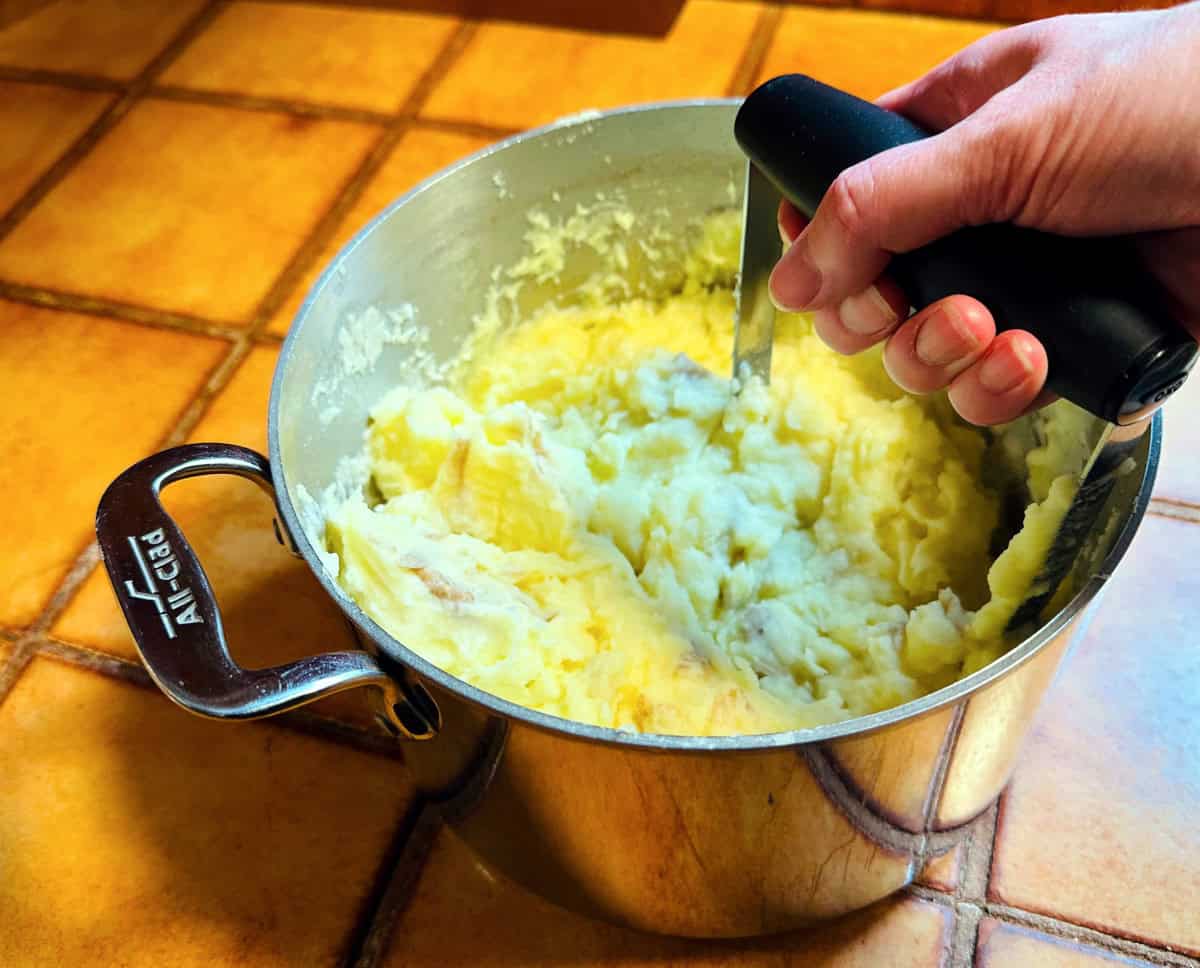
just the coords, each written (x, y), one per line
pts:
(1005, 368)
(784, 237)
(795, 281)
(945, 338)
(867, 313)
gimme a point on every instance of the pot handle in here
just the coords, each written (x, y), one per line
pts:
(174, 617)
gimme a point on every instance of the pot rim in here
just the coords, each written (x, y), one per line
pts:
(396, 650)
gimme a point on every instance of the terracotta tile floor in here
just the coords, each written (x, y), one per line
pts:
(172, 179)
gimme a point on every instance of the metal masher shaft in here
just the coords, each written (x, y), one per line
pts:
(754, 326)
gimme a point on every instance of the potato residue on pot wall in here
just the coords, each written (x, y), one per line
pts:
(592, 523)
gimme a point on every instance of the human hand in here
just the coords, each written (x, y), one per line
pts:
(1078, 125)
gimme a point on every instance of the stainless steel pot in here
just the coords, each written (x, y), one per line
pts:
(724, 836)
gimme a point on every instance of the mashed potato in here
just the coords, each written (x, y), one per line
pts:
(593, 523)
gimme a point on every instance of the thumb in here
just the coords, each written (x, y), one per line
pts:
(894, 202)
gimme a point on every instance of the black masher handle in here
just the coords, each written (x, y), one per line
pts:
(1114, 348)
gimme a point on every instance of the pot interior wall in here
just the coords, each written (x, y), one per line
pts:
(437, 250)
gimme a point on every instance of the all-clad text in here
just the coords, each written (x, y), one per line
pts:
(157, 560)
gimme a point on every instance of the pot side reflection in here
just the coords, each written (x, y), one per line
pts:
(726, 844)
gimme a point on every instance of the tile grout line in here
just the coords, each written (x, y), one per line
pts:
(109, 666)
(263, 103)
(398, 877)
(122, 312)
(937, 784)
(1174, 501)
(16, 663)
(964, 935)
(473, 129)
(67, 79)
(108, 118)
(755, 54)
(333, 112)
(976, 870)
(426, 8)
(1178, 510)
(970, 892)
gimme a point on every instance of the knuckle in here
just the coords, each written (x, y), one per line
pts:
(1031, 39)
(850, 200)
(961, 79)
(998, 165)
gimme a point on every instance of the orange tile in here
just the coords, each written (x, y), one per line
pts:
(1099, 824)
(273, 608)
(160, 838)
(80, 399)
(37, 124)
(186, 207)
(353, 58)
(518, 76)
(942, 872)
(112, 38)
(419, 154)
(865, 53)
(1007, 946)
(462, 914)
(1179, 469)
